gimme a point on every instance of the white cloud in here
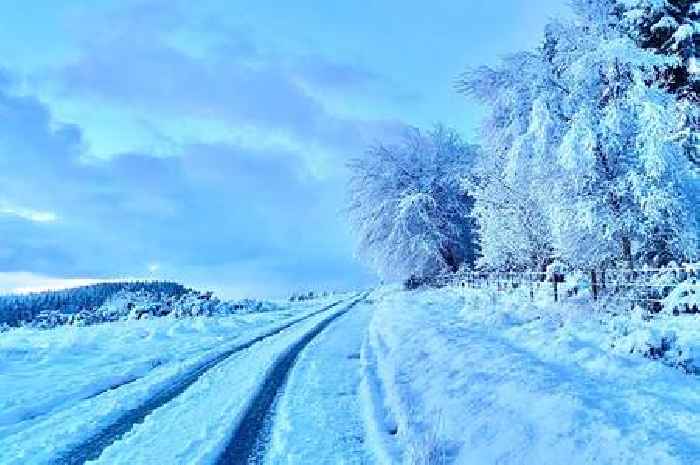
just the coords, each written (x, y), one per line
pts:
(24, 282)
(153, 267)
(28, 214)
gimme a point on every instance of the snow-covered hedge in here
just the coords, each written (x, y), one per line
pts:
(142, 304)
(674, 340)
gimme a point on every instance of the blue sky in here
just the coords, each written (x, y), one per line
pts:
(206, 141)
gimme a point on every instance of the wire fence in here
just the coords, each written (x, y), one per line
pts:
(650, 287)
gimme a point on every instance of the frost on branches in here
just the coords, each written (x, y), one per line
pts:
(668, 27)
(588, 158)
(508, 180)
(408, 206)
(671, 28)
(584, 157)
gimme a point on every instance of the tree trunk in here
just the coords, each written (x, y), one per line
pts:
(450, 259)
(627, 251)
(594, 285)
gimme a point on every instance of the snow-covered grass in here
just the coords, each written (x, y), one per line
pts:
(64, 376)
(480, 377)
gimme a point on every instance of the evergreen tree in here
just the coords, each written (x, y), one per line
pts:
(671, 28)
(15, 309)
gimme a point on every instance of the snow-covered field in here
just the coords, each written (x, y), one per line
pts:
(392, 377)
(476, 377)
(60, 387)
(196, 427)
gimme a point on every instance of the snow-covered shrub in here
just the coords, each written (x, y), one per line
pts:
(310, 295)
(685, 296)
(671, 339)
(190, 304)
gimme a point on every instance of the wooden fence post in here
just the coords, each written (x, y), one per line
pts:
(594, 285)
(556, 289)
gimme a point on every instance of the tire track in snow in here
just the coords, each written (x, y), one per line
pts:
(249, 442)
(117, 385)
(93, 447)
(55, 406)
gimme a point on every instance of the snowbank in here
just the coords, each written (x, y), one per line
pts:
(482, 378)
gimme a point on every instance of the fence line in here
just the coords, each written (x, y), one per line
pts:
(653, 286)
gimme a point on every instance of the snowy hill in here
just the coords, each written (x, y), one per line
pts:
(111, 302)
(15, 309)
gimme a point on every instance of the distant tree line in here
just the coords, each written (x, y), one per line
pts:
(15, 309)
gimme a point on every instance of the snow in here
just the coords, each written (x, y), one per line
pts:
(56, 383)
(667, 22)
(452, 375)
(476, 376)
(196, 426)
(318, 417)
(684, 33)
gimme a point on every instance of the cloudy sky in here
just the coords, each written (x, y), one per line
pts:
(206, 141)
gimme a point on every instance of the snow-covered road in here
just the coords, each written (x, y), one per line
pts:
(317, 419)
(213, 407)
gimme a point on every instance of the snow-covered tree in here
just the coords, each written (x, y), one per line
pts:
(671, 28)
(584, 162)
(628, 178)
(668, 27)
(408, 206)
(512, 181)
